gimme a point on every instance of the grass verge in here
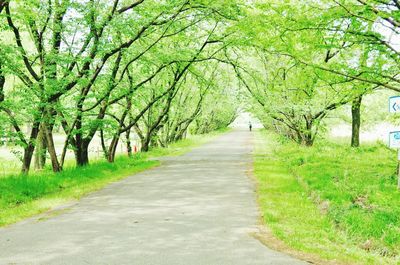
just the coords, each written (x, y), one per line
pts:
(24, 196)
(337, 204)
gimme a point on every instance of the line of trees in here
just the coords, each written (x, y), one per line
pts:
(303, 60)
(110, 69)
(113, 69)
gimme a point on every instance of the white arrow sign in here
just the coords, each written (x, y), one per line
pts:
(394, 104)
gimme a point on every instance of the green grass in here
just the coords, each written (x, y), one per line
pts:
(331, 201)
(185, 145)
(24, 196)
(9, 167)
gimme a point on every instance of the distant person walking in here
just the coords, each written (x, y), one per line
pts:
(250, 126)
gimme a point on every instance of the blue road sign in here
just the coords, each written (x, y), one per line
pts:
(394, 104)
(394, 139)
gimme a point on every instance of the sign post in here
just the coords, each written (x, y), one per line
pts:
(394, 137)
(394, 142)
(398, 169)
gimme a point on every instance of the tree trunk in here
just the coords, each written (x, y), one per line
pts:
(27, 159)
(307, 135)
(182, 133)
(128, 143)
(112, 149)
(103, 144)
(40, 150)
(30, 148)
(308, 140)
(82, 144)
(146, 144)
(2, 83)
(356, 121)
(51, 149)
(82, 154)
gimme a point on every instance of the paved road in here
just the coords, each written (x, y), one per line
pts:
(198, 208)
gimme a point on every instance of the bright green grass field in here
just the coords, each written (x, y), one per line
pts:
(332, 201)
(24, 196)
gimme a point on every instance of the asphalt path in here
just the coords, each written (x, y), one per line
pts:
(198, 208)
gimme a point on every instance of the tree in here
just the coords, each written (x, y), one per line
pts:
(79, 61)
(313, 37)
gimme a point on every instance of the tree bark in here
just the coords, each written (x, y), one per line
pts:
(146, 143)
(29, 149)
(2, 83)
(27, 159)
(82, 155)
(40, 150)
(82, 144)
(128, 143)
(103, 144)
(51, 149)
(112, 150)
(356, 121)
(307, 135)
(308, 141)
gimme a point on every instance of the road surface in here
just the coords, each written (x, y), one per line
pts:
(199, 208)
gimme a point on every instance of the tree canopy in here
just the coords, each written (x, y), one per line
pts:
(163, 69)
